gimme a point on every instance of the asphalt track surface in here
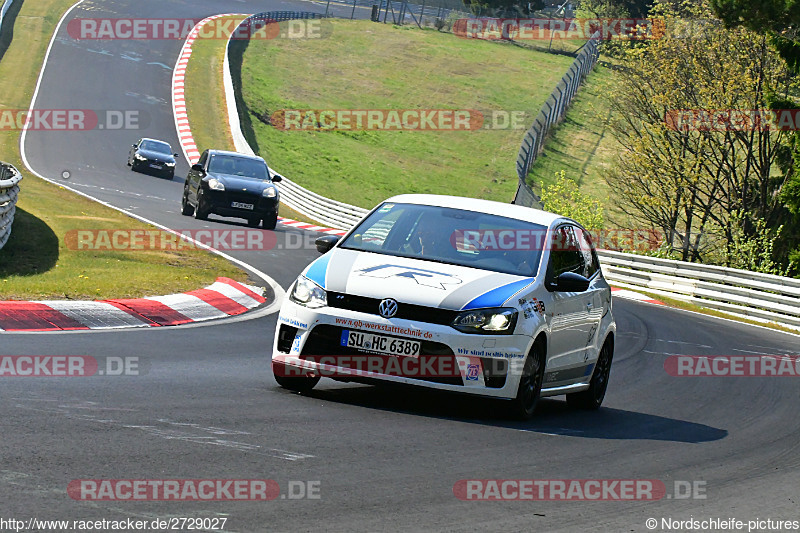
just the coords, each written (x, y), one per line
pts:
(385, 459)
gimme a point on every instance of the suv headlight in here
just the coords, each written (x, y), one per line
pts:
(269, 192)
(494, 321)
(307, 293)
(139, 157)
(216, 185)
(172, 164)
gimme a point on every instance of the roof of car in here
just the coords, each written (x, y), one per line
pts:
(236, 154)
(518, 212)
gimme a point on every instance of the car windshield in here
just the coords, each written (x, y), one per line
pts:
(452, 236)
(156, 146)
(238, 166)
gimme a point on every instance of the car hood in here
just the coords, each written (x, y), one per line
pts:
(412, 280)
(240, 183)
(157, 156)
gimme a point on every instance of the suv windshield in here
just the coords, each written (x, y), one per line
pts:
(238, 166)
(156, 146)
(452, 236)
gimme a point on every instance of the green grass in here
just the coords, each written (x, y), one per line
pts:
(37, 263)
(364, 65)
(583, 145)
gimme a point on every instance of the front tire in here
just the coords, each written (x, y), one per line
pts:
(592, 398)
(201, 211)
(300, 384)
(186, 207)
(530, 385)
(270, 221)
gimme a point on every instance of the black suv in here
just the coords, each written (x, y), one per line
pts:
(232, 185)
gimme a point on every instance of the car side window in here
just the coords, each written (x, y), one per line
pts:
(588, 251)
(565, 253)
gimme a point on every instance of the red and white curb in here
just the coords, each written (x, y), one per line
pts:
(310, 227)
(188, 144)
(631, 295)
(225, 297)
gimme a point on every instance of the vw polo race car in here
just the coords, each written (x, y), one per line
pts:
(456, 294)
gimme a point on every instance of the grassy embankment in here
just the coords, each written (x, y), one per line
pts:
(37, 263)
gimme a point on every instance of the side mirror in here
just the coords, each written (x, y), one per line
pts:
(198, 167)
(569, 282)
(175, 155)
(276, 178)
(326, 242)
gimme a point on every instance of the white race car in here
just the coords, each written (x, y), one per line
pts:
(456, 294)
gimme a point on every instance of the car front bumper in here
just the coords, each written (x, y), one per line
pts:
(309, 342)
(220, 203)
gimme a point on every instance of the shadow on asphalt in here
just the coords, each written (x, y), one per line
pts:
(31, 249)
(553, 416)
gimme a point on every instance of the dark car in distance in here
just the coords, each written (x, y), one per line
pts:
(231, 184)
(152, 156)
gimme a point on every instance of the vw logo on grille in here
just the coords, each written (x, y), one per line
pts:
(387, 308)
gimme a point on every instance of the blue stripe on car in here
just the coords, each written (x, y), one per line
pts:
(496, 297)
(318, 269)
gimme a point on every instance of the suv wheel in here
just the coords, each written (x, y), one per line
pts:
(270, 221)
(186, 207)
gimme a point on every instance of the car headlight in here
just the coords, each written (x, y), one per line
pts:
(269, 192)
(170, 164)
(307, 293)
(494, 321)
(216, 185)
(139, 157)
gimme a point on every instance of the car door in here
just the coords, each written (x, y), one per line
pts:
(597, 296)
(194, 178)
(570, 322)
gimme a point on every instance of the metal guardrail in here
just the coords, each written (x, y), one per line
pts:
(553, 110)
(9, 189)
(402, 11)
(761, 297)
(281, 16)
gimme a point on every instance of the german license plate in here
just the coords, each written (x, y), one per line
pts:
(368, 342)
(241, 205)
(153, 165)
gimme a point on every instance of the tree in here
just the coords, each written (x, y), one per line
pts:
(564, 198)
(707, 188)
(614, 8)
(779, 19)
